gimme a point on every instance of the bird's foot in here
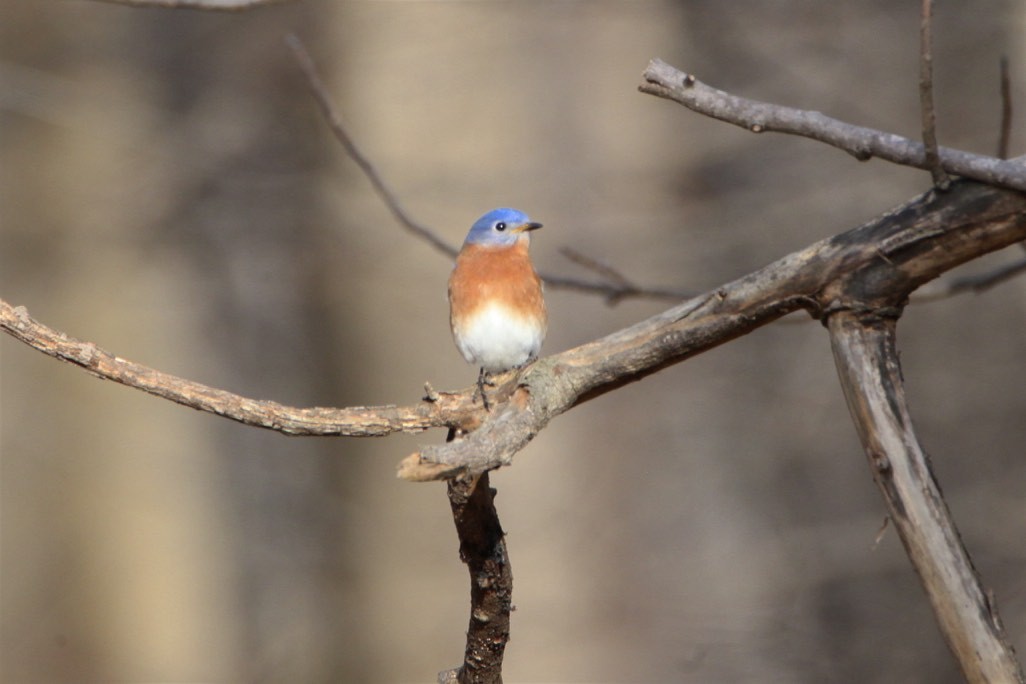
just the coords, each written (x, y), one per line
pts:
(483, 378)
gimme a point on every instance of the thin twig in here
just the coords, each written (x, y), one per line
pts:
(1004, 140)
(663, 80)
(620, 287)
(612, 292)
(342, 135)
(601, 268)
(940, 177)
(206, 5)
(974, 283)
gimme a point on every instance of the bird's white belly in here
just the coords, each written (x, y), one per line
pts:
(498, 339)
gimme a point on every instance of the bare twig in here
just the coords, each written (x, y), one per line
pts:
(867, 362)
(611, 291)
(208, 5)
(342, 135)
(1005, 137)
(601, 268)
(665, 81)
(620, 286)
(940, 177)
(975, 283)
(443, 409)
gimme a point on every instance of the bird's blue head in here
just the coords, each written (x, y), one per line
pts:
(500, 228)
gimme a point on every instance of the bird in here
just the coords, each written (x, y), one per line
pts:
(496, 299)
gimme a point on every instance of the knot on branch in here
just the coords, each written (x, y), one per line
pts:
(865, 312)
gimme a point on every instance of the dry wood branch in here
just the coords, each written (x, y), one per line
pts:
(483, 549)
(320, 92)
(441, 410)
(1005, 136)
(665, 81)
(940, 178)
(911, 245)
(612, 291)
(208, 5)
(867, 362)
(894, 254)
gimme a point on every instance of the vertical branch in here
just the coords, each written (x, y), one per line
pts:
(940, 176)
(867, 362)
(1005, 136)
(483, 549)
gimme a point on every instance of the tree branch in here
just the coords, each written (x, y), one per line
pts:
(1005, 135)
(663, 80)
(613, 292)
(867, 362)
(941, 232)
(442, 409)
(940, 178)
(896, 252)
(208, 5)
(483, 549)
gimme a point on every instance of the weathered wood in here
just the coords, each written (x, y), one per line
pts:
(867, 362)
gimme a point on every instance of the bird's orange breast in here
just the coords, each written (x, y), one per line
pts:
(485, 276)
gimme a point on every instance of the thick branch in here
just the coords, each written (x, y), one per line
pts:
(867, 362)
(665, 81)
(894, 253)
(483, 549)
(438, 410)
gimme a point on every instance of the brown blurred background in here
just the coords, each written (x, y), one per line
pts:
(170, 193)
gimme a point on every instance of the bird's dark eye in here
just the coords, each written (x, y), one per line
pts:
(500, 226)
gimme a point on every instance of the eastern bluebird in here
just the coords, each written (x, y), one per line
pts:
(496, 308)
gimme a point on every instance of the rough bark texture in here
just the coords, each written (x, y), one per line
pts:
(867, 362)
(483, 549)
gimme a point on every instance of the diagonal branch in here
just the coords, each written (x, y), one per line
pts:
(867, 362)
(390, 199)
(612, 291)
(439, 410)
(897, 252)
(941, 232)
(665, 81)
(208, 5)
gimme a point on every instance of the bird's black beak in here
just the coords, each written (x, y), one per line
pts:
(529, 226)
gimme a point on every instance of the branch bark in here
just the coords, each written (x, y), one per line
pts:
(483, 549)
(207, 5)
(929, 116)
(663, 80)
(867, 362)
(439, 409)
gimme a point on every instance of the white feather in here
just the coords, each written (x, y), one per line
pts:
(497, 339)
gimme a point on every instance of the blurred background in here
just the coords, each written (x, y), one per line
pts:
(170, 193)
